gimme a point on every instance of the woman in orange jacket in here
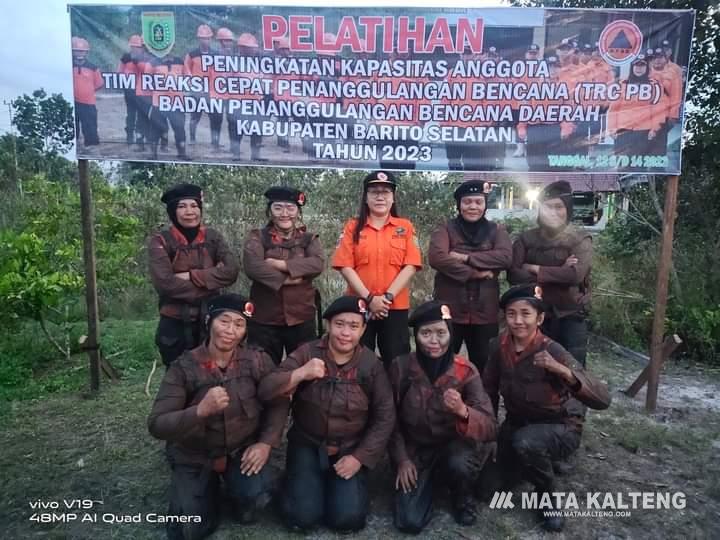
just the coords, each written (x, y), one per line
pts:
(378, 255)
(635, 123)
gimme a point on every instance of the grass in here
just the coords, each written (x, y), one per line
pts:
(33, 369)
(60, 445)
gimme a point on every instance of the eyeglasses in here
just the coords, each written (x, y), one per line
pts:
(379, 193)
(286, 208)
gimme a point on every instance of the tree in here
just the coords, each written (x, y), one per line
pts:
(35, 280)
(44, 122)
(41, 274)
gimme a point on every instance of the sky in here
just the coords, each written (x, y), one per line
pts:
(36, 40)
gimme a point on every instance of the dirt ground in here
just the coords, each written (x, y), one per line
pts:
(67, 447)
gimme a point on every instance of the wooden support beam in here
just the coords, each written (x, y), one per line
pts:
(92, 344)
(670, 344)
(663, 278)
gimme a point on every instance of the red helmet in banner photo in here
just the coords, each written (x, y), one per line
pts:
(247, 40)
(620, 42)
(79, 44)
(204, 31)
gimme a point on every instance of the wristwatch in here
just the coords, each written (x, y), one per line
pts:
(390, 296)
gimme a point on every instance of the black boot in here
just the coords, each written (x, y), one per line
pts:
(140, 142)
(182, 152)
(164, 143)
(235, 149)
(215, 141)
(563, 468)
(129, 137)
(193, 131)
(464, 510)
(255, 154)
(550, 518)
(154, 150)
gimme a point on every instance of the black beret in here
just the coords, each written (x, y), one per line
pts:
(286, 194)
(182, 191)
(380, 177)
(230, 302)
(558, 189)
(429, 312)
(529, 292)
(347, 304)
(471, 187)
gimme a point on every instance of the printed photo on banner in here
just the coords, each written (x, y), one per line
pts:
(553, 90)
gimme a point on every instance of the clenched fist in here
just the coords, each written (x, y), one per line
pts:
(215, 401)
(453, 401)
(546, 361)
(314, 369)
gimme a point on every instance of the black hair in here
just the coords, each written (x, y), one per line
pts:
(364, 212)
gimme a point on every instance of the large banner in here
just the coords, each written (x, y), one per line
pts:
(504, 89)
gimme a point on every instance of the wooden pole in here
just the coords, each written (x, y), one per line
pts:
(661, 294)
(669, 345)
(92, 345)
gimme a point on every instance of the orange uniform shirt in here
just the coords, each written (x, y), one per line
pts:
(672, 84)
(172, 68)
(193, 62)
(86, 79)
(636, 115)
(379, 256)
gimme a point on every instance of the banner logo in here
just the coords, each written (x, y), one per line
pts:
(158, 31)
(620, 42)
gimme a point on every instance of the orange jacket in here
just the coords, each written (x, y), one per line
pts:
(672, 87)
(415, 103)
(86, 79)
(357, 100)
(469, 101)
(126, 64)
(595, 71)
(193, 63)
(379, 256)
(171, 67)
(142, 67)
(566, 128)
(636, 115)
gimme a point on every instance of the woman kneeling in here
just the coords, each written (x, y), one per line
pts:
(545, 391)
(444, 416)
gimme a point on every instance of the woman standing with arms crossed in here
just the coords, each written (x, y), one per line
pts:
(282, 259)
(378, 255)
(468, 252)
(189, 264)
